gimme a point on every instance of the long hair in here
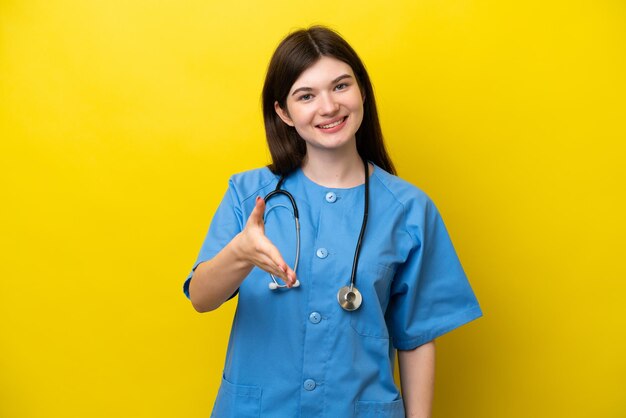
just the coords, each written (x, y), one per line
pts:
(297, 52)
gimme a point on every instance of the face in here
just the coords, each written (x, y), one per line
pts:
(325, 105)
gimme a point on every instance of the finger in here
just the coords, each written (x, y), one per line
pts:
(271, 256)
(283, 275)
(263, 260)
(291, 274)
(272, 252)
(269, 266)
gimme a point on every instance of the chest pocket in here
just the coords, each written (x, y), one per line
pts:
(374, 283)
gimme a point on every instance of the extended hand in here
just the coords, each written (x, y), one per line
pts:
(257, 249)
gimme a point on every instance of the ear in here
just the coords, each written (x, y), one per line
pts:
(283, 114)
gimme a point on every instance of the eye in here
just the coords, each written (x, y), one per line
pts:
(341, 86)
(305, 97)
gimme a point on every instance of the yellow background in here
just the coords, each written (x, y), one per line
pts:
(121, 121)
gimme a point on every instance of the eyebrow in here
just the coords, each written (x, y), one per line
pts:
(336, 80)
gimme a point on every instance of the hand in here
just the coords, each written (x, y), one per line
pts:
(257, 249)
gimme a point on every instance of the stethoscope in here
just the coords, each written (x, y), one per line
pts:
(349, 297)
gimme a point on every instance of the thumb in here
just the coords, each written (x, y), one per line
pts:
(256, 216)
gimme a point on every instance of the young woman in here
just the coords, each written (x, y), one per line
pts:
(338, 263)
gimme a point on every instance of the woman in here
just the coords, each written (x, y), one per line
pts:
(373, 270)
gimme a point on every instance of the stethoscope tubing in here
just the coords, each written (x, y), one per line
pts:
(357, 250)
(348, 296)
(275, 284)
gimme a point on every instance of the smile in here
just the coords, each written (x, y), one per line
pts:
(333, 124)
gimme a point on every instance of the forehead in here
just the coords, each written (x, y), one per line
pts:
(322, 73)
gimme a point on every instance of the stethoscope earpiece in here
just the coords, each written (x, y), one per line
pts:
(274, 284)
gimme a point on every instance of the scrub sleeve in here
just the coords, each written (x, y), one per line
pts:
(227, 222)
(430, 294)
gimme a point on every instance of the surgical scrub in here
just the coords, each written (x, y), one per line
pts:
(295, 352)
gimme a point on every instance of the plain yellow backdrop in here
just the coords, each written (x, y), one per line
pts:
(120, 123)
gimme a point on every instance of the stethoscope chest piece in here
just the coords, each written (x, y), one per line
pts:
(349, 298)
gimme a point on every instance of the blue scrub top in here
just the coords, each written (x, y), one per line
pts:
(296, 352)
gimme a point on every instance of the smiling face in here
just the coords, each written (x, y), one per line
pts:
(325, 105)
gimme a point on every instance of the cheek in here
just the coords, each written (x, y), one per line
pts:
(301, 118)
(356, 104)
(305, 131)
(301, 123)
(358, 111)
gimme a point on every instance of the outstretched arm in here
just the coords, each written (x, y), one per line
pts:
(417, 377)
(214, 281)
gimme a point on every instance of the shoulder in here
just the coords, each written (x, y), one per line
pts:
(418, 212)
(251, 183)
(400, 191)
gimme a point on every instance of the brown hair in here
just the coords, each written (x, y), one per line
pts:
(297, 52)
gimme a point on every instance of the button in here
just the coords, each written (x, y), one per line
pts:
(331, 197)
(315, 317)
(309, 384)
(322, 252)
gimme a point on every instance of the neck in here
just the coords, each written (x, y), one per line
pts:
(336, 169)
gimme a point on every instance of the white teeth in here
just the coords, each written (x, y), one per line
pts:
(332, 125)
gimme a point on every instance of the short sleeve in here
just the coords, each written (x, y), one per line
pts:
(430, 294)
(226, 224)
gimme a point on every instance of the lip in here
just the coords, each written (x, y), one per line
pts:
(334, 128)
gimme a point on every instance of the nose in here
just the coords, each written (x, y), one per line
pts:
(328, 105)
